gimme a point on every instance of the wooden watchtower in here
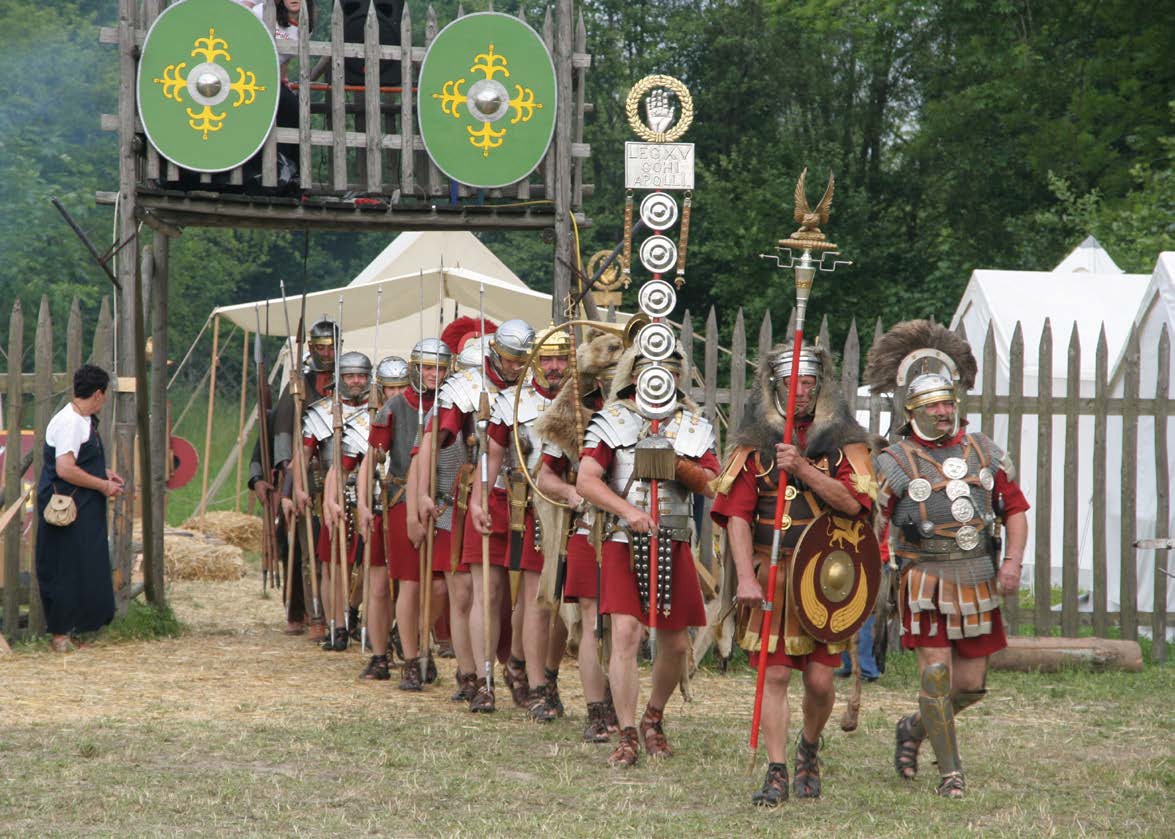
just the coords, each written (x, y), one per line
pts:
(369, 136)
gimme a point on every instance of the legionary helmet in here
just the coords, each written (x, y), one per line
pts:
(553, 342)
(512, 341)
(473, 354)
(781, 370)
(392, 372)
(922, 364)
(431, 352)
(355, 362)
(324, 333)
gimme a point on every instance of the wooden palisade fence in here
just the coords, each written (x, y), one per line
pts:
(43, 391)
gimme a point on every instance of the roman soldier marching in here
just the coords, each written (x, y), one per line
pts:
(338, 541)
(516, 410)
(831, 491)
(316, 373)
(945, 491)
(643, 478)
(562, 435)
(409, 389)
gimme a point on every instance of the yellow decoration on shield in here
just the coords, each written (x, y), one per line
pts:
(813, 608)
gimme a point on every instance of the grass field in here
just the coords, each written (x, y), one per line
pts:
(234, 729)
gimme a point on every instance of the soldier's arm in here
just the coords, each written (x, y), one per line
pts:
(831, 491)
(554, 486)
(590, 484)
(741, 542)
(1016, 530)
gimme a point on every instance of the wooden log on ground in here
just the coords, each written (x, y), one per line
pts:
(1048, 655)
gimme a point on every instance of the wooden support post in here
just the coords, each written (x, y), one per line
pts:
(1098, 500)
(1128, 557)
(1011, 608)
(153, 570)
(1162, 498)
(127, 226)
(211, 409)
(42, 397)
(13, 404)
(1069, 491)
(1042, 582)
(241, 418)
(564, 258)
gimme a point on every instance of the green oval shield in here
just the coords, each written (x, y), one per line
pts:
(208, 84)
(487, 100)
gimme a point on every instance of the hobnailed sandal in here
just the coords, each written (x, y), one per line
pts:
(806, 783)
(338, 643)
(652, 735)
(774, 791)
(376, 669)
(514, 677)
(466, 687)
(595, 730)
(430, 672)
(610, 718)
(410, 676)
(353, 622)
(483, 700)
(626, 751)
(537, 706)
(553, 698)
(394, 643)
(952, 785)
(906, 746)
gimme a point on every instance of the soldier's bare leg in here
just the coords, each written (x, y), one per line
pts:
(536, 623)
(622, 669)
(479, 626)
(378, 621)
(819, 699)
(668, 665)
(776, 712)
(590, 671)
(408, 617)
(460, 588)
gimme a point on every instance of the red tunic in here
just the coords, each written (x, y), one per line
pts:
(618, 586)
(580, 580)
(741, 501)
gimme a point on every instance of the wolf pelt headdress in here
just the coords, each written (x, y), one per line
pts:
(926, 339)
(833, 425)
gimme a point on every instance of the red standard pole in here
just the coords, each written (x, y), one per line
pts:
(769, 595)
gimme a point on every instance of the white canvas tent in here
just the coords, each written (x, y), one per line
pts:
(415, 265)
(1086, 292)
(1156, 309)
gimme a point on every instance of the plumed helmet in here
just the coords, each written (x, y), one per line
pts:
(324, 332)
(431, 352)
(392, 372)
(355, 362)
(473, 354)
(513, 340)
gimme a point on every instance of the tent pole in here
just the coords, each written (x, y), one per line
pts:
(241, 420)
(211, 406)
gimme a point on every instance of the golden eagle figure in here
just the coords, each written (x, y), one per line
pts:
(810, 220)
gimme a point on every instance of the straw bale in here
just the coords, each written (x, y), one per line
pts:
(194, 556)
(235, 528)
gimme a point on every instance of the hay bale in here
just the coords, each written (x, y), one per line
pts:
(193, 556)
(234, 528)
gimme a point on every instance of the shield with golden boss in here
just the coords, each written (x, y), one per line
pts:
(208, 84)
(487, 100)
(834, 577)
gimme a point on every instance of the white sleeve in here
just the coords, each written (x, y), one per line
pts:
(67, 432)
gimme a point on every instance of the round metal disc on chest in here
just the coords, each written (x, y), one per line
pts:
(785, 522)
(919, 489)
(967, 538)
(954, 467)
(962, 509)
(790, 493)
(957, 489)
(986, 479)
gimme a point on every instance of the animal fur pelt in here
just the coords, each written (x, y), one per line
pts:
(833, 425)
(463, 329)
(557, 423)
(888, 351)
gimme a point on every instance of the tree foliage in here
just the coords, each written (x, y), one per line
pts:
(962, 134)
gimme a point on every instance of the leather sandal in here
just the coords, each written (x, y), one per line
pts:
(430, 672)
(483, 700)
(806, 783)
(627, 750)
(538, 708)
(466, 687)
(907, 743)
(774, 791)
(610, 717)
(652, 735)
(952, 785)
(410, 676)
(376, 669)
(553, 698)
(514, 677)
(595, 729)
